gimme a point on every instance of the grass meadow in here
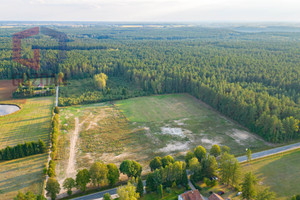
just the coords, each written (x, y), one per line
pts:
(144, 127)
(179, 122)
(280, 172)
(30, 123)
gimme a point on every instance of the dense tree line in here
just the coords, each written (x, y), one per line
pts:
(23, 150)
(99, 174)
(84, 91)
(251, 78)
(165, 173)
(54, 140)
(26, 89)
(172, 174)
(29, 196)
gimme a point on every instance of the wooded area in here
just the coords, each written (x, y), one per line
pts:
(252, 78)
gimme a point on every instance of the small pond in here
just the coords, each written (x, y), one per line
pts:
(8, 109)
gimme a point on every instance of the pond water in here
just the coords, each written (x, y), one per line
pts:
(8, 109)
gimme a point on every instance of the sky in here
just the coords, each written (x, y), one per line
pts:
(151, 10)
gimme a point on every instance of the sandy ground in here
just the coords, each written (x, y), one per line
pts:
(71, 172)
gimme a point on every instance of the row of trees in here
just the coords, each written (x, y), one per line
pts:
(165, 173)
(99, 174)
(29, 196)
(23, 150)
(54, 141)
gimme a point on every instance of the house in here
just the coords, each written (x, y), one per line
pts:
(191, 195)
(214, 196)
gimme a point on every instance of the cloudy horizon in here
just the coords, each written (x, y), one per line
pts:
(151, 10)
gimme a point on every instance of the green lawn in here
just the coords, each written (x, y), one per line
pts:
(280, 172)
(229, 191)
(161, 108)
(173, 195)
(32, 122)
(178, 122)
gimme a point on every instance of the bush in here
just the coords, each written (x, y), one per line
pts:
(174, 185)
(168, 190)
(51, 170)
(107, 196)
(45, 170)
(210, 183)
(56, 110)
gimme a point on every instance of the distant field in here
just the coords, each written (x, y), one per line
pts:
(43, 81)
(32, 122)
(280, 172)
(145, 127)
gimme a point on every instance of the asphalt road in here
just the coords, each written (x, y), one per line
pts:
(240, 159)
(99, 195)
(270, 152)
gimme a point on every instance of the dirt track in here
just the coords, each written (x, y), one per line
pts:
(72, 161)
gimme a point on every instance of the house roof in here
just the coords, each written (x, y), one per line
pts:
(214, 196)
(192, 195)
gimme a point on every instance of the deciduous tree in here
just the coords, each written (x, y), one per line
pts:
(52, 188)
(69, 184)
(215, 150)
(113, 174)
(98, 173)
(200, 153)
(155, 163)
(128, 192)
(82, 179)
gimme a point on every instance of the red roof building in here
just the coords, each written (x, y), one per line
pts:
(214, 196)
(191, 195)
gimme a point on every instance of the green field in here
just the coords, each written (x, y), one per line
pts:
(280, 172)
(179, 122)
(144, 127)
(32, 122)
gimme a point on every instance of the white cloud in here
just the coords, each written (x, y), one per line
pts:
(151, 10)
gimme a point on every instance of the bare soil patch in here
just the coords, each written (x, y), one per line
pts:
(7, 87)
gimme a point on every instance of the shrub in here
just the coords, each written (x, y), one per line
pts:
(56, 110)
